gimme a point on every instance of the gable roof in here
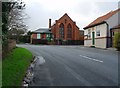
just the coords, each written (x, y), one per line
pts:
(63, 17)
(67, 16)
(102, 19)
(42, 30)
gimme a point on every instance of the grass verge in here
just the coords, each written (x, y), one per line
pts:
(0, 74)
(14, 66)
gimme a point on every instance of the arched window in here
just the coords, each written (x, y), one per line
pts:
(69, 31)
(61, 30)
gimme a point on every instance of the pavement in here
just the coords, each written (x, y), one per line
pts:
(74, 66)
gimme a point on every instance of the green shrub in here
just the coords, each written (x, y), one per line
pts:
(117, 40)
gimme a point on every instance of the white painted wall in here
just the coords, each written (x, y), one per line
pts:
(100, 43)
(113, 21)
(103, 30)
(87, 42)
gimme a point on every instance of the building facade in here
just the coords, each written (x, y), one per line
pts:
(41, 36)
(65, 31)
(98, 32)
(114, 30)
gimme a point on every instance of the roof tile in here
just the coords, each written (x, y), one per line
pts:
(102, 18)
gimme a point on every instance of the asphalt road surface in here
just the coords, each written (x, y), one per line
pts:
(74, 66)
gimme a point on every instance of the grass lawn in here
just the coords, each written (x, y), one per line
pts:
(14, 66)
(0, 74)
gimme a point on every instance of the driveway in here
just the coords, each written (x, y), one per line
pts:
(74, 66)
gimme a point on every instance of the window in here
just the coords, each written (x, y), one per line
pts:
(47, 35)
(61, 31)
(89, 33)
(98, 33)
(69, 31)
(38, 36)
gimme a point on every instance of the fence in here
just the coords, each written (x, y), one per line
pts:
(69, 42)
(58, 42)
(39, 41)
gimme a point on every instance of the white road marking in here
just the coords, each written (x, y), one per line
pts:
(91, 59)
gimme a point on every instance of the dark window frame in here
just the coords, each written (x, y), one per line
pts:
(61, 31)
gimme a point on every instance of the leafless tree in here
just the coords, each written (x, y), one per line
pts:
(16, 18)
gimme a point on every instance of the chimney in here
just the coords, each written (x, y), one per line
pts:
(74, 22)
(49, 23)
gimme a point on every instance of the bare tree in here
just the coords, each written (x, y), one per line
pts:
(17, 16)
(13, 17)
(16, 19)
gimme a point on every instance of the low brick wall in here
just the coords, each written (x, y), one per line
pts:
(7, 47)
(70, 42)
(39, 41)
(11, 44)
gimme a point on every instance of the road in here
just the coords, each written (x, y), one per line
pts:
(74, 66)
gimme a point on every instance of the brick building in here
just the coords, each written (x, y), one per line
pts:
(41, 36)
(65, 31)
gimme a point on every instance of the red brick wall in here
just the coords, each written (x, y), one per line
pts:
(65, 19)
(34, 36)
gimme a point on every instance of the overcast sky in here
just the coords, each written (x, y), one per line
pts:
(81, 11)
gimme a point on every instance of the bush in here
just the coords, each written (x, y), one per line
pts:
(24, 39)
(117, 41)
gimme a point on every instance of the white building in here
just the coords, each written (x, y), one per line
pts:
(98, 33)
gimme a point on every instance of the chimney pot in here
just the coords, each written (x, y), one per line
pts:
(49, 23)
